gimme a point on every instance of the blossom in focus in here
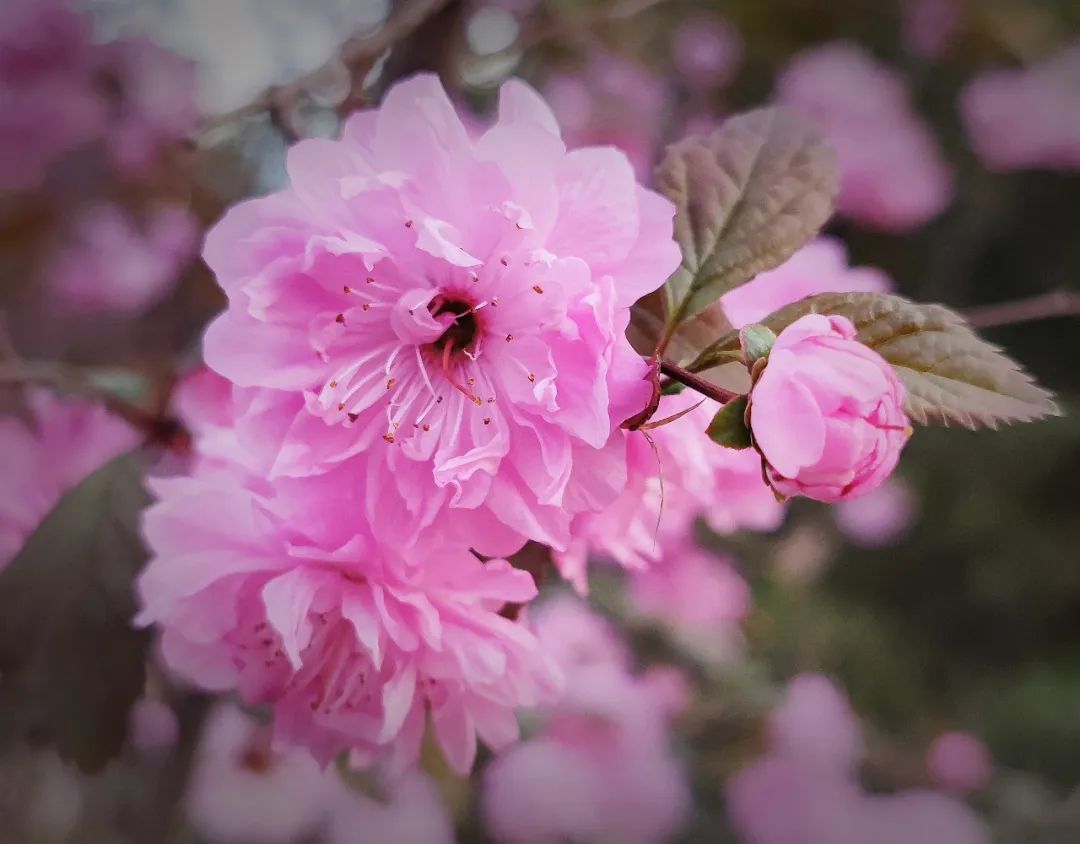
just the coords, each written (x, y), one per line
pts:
(277, 589)
(447, 316)
(244, 791)
(879, 518)
(805, 789)
(819, 267)
(893, 176)
(48, 103)
(65, 441)
(612, 101)
(827, 412)
(109, 264)
(707, 51)
(959, 762)
(685, 477)
(1027, 118)
(600, 769)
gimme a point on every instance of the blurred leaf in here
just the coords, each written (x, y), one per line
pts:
(728, 428)
(70, 662)
(952, 375)
(747, 196)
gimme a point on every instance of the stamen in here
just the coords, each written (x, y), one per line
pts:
(447, 349)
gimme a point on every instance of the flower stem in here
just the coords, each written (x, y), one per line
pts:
(694, 382)
(1059, 303)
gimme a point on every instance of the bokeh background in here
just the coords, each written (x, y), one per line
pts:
(947, 603)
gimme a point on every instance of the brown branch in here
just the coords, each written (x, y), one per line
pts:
(405, 19)
(1059, 303)
(694, 382)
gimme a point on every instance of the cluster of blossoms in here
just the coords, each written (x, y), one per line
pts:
(806, 788)
(601, 767)
(422, 367)
(60, 91)
(1027, 118)
(893, 175)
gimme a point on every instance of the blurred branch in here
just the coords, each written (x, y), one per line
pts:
(1059, 303)
(279, 100)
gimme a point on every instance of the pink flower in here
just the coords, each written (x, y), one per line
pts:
(153, 727)
(243, 790)
(277, 589)
(893, 176)
(110, 265)
(691, 588)
(819, 267)
(48, 104)
(805, 790)
(66, 442)
(157, 103)
(707, 51)
(449, 312)
(685, 477)
(611, 101)
(600, 770)
(827, 412)
(959, 762)
(880, 518)
(1027, 118)
(411, 813)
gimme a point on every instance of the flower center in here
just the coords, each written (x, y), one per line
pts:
(461, 333)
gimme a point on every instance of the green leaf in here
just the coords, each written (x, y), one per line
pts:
(952, 375)
(728, 428)
(748, 195)
(70, 662)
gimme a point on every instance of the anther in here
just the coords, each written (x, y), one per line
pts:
(367, 307)
(353, 417)
(537, 288)
(369, 280)
(348, 290)
(509, 337)
(390, 383)
(333, 385)
(389, 438)
(340, 319)
(408, 224)
(341, 406)
(487, 420)
(532, 377)
(427, 427)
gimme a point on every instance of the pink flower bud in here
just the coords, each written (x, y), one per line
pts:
(827, 412)
(959, 762)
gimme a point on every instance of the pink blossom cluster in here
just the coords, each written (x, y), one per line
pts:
(893, 176)
(110, 264)
(60, 91)
(423, 358)
(1027, 118)
(244, 790)
(805, 789)
(600, 768)
(46, 455)
(707, 52)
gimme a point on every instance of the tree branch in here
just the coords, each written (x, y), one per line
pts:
(1059, 303)
(694, 382)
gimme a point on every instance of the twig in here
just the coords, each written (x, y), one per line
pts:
(694, 382)
(402, 22)
(1059, 303)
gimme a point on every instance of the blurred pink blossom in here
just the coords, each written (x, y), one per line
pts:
(692, 588)
(893, 176)
(446, 316)
(819, 267)
(612, 101)
(844, 400)
(157, 102)
(48, 102)
(244, 791)
(65, 440)
(930, 26)
(1027, 118)
(805, 789)
(879, 518)
(707, 51)
(153, 726)
(111, 265)
(959, 762)
(600, 770)
(411, 813)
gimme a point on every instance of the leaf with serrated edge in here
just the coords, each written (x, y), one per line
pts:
(70, 662)
(952, 375)
(748, 195)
